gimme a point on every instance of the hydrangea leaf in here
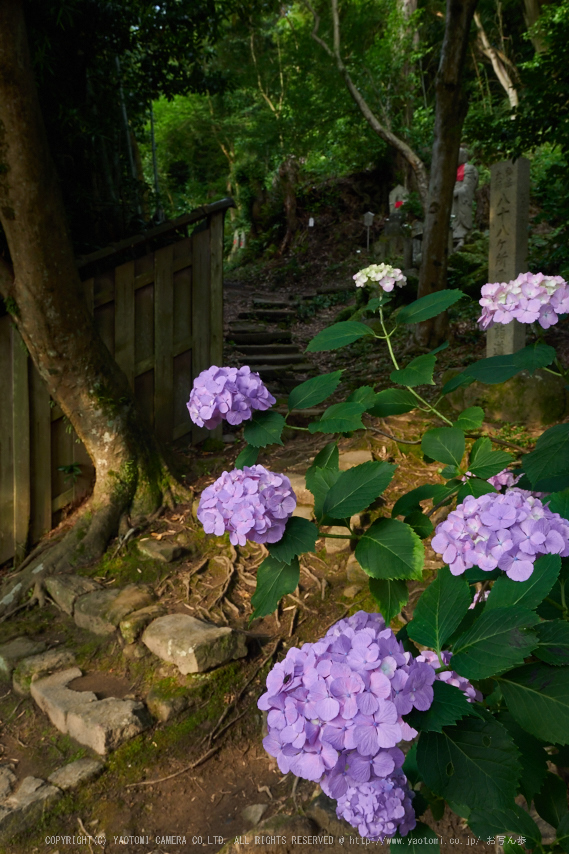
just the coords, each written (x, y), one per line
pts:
(444, 444)
(527, 594)
(534, 356)
(449, 706)
(547, 466)
(418, 372)
(264, 429)
(470, 419)
(314, 391)
(458, 381)
(393, 401)
(475, 763)
(247, 457)
(356, 488)
(391, 550)
(274, 580)
(365, 394)
(300, 536)
(498, 640)
(319, 481)
(429, 306)
(328, 457)
(484, 462)
(514, 821)
(551, 801)
(494, 370)
(439, 610)
(420, 523)
(390, 596)
(553, 642)
(559, 503)
(421, 838)
(339, 418)
(563, 833)
(376, 302)
(537, 695)
(533, 757)
(474, 486)
(411, 500)
(338, 335)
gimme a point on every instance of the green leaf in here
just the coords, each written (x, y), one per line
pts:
(421, 838)
(264, 429)
(328, 457)
(470, 419)
(439, 610)
(563, 833)
(319, 481)
(537, 695)
(376, 302)
(458, 381)
(496, 369)
(429, 306)
(498, 640)
(338, 335)
(420, 523)
(559, 503)
(551, 802)
(532, 756)
(449, 705)
(391, 550)
(390, 596)
(484, 462)
(314, 391)
(553, 642)
(474, 486)
(534, 356)
(526, 594)
(547, 466)
(514, 821)
(247, 457)
(364, 394)
(474, 763)
(393, 401)
(356, 488)
(410, 501)
(339, 418)
(418, 372)
(410, 768)
(274, 580)
(444, 444)
(299, 536)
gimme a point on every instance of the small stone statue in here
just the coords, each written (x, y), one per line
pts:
(466, 183)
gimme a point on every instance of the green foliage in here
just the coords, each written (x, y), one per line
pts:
(247, 457)
(418, 372)
(391, 550)
(390, 596)
(444, 444)
(429, 306)
(338, 335)
(264, 429)
(483, 462)
(314, 391)
(339, 418)
(300, 536)
(440, 610)
(275, 578)
(498, 640)
(356, 488)
(537, 695)
(449, 706)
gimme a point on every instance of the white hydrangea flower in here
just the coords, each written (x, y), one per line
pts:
(383, 274)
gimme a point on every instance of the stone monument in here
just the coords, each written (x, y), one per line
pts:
(397, 198)
(465, 185)
(507, 258)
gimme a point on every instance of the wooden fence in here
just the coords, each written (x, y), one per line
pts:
(160, 313)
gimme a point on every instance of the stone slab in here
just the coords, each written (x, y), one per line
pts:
(130, 598)
(91, 609)
(165, 552)
(13, 652)
(298, 483)
(322, 810)
(334, 546)
(55, 699)
(7, 780)
(349, 459)
(64, 589)
(106, 724)
(72, 775)
(36, 666)
(25, 807)
(134, 624)
(165, 708)
(253, 814)
(304, 511)
(354, 572)
(192, 645)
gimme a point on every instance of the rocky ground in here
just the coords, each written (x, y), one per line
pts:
(107, 730)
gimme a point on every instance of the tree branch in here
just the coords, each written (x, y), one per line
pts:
(6, 278)
(498, 63)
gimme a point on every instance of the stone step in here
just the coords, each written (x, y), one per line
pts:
(269, 302)
(259, 337)
(276, 359)
(240, 326)
(273, 372)
(335, 289)
(267, 349)
(275, 315)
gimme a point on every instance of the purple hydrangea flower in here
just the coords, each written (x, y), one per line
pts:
(335, 717)
(529, 298)
(229, 394)
(250, 504)
(382, 274)
(450, 676)
(506, 531)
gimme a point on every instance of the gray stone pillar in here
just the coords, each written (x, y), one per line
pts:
(509, 217)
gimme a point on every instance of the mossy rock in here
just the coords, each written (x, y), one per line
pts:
(540, 399)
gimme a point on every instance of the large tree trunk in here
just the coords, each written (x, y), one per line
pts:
(450, 112)
(51, 314)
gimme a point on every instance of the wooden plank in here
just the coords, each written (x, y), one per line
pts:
(216, 289)
(89, 291)
(201, 302)
(147, 277)
(124, 319)
(144, 324)
(163, 327)
(182, 388)
(40, 440)
(21, 433)
(182, 305)
(6, 443)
